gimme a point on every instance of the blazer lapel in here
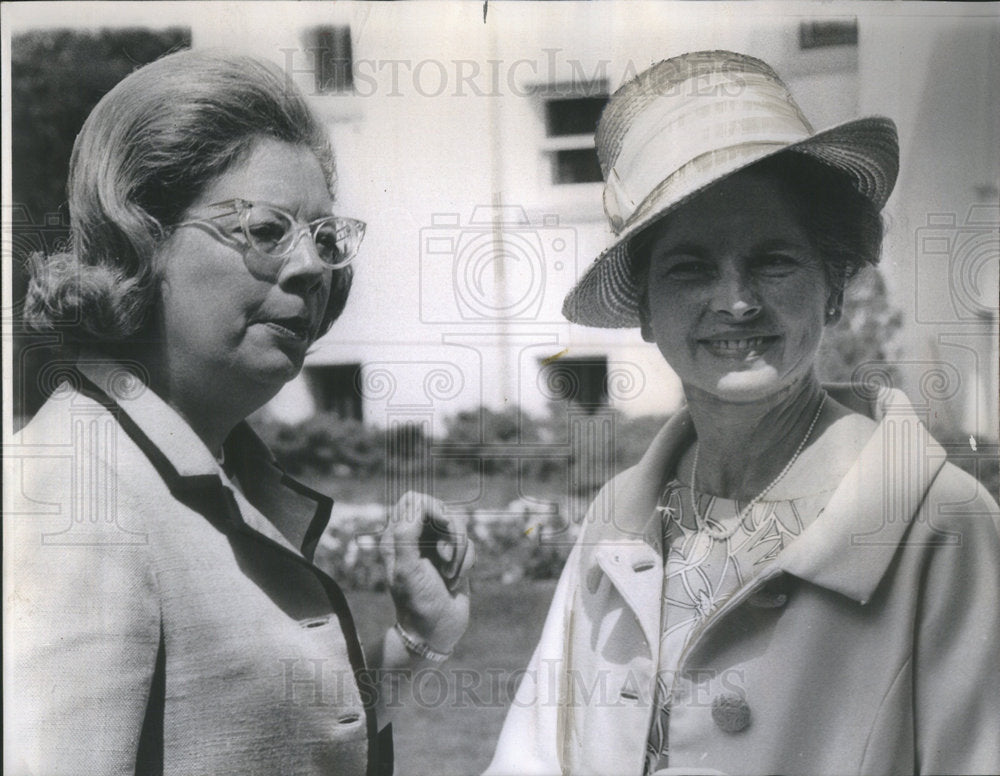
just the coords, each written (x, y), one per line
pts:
(299, 514)
(850, 546)
(636, 571)
(625, 530)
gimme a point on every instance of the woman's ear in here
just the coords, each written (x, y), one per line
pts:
(834, 307)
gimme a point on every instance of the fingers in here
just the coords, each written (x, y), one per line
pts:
(421, 528)
(452, 554)
(468, 561)
(408, 521)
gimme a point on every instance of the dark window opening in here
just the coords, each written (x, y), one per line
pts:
(573, 116)
(576, 165)
(828, 33)
(570, 122)
(332, 59)
(335, 389)
(580, 381)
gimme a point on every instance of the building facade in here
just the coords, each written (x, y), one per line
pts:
(466, 144)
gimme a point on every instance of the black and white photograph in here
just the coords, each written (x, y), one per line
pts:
(459, 387)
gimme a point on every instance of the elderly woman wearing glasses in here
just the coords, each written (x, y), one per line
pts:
(793, 579)
(162, 612)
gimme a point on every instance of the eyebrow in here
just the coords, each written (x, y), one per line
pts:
(779, 244)
(298, 211)
(679, 249)
(696, 250)
(324, 213)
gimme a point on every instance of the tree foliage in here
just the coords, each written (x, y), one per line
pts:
(56, 78)
(866, 331)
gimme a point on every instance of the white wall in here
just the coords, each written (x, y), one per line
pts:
(934, 70)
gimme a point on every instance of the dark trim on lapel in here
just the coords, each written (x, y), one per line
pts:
(320, 520)
(256, 453)
(207, 495)
(149, 756)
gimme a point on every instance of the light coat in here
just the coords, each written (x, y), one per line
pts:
(869, 645)
(155, 620)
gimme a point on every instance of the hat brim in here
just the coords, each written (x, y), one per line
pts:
(607, 296)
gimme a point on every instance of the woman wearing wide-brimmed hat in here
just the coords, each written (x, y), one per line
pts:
(792, 579)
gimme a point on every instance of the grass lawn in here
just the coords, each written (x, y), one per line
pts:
(452, 724)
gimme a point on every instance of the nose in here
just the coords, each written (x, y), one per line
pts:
(302, 270)
(734, 297)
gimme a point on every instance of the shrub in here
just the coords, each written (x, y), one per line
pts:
(324, 442)
(470, 434)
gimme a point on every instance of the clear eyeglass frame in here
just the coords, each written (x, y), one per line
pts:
(273, 232)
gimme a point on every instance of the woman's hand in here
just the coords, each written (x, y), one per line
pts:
(427, 557)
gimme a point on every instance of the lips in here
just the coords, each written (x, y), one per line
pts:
(297, 328)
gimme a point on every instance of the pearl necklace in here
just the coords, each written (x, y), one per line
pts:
(703, 524)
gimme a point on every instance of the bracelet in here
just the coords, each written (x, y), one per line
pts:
(419, 648)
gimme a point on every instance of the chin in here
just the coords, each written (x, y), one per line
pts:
(750, 385)
(274, 370)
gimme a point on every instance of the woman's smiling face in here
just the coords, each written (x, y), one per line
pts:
(737, 295)
(223, 324)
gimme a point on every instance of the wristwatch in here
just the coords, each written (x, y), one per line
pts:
(419, 648)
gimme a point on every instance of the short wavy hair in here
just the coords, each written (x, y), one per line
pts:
(146, 152)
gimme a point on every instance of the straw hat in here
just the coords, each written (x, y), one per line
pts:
(688, 122)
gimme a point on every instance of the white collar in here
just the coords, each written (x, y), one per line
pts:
(848, 548)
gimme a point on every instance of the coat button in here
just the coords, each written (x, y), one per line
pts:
(731, 712)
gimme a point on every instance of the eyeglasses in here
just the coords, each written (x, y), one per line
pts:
(274, 232)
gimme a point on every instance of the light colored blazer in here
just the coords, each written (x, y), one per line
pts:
(869, 646)
(155, 620)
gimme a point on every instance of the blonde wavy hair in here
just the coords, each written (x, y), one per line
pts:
(145, 153)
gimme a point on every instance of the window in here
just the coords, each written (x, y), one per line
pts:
(332, 58)
(576, 165)
(821, 34)
(335, 389)
(581, 381)
(570, 123)
(573, 116)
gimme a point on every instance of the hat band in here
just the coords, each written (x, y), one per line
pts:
(673, 130)
(691, 177)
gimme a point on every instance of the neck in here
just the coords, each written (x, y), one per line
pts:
(211, 411)
(742, 447)
(211, 421)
